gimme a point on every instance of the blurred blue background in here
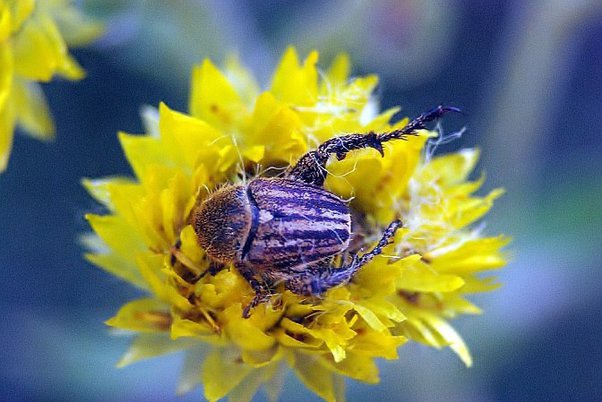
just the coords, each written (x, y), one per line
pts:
(529, 75)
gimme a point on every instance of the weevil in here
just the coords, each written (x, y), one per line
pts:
(290, 229)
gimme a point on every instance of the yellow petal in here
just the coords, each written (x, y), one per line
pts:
(6, 136)
(472, 210)
(212, 97)
(262, 358)
(375, 182)
(477, 285)
(150, 269)
(32, 110)
(370, 318)
(449, 334)
(190, 246)
(191, 371)
(295, 83)
(70, 68)
(276, 127)
(415, 329)
(471, 256)
(40, 52)
(359, 367)
(388, 312)
(7, 110)
(274, 384)
(285, 73)
(223, 370)
(150, 120)
(113, 248)
(119, 266)
(190, 140)
(243, 333)
(76, 29)
(421, 278)
(107, 191)
(146, 346)
(459, 305)
(117, 235)
(315, 375)
(255, 153)
(246, 389)
(184, 328)
(21, 11)
(241, 79)
(377, 344)
(306, 342)
(451, 169)
(339, 70)
(223, 290)
(142, 315)
(5, 22)
(142, 152)
(173, 205)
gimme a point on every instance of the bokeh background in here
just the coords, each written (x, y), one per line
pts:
(529, 75)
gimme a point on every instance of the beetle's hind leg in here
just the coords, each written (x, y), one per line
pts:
(317, 280)
(311, 168)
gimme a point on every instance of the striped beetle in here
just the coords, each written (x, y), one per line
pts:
(289, 230)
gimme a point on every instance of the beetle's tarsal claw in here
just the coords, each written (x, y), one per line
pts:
(453, 109)
(439, 111)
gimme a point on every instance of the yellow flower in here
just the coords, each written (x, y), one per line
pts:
(34, 35)
(235, 130)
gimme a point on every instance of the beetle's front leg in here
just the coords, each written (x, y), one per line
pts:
(311, 168)
(262, 289)
(315, 281)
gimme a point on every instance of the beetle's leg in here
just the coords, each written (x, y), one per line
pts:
(311, 168)
(261, 288)
(317, 280)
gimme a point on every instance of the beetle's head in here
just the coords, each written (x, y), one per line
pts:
(222, 223)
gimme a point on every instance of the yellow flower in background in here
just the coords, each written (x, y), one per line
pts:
(34, 40)
(235, 131)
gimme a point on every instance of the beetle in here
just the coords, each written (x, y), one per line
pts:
(290, 229)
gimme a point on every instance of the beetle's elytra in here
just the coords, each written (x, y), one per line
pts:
(289, 230)
(273, 224)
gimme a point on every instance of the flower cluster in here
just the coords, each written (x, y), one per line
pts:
(234, 130)
(34, 36)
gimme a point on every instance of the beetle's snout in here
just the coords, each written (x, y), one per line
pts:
(222, 223)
